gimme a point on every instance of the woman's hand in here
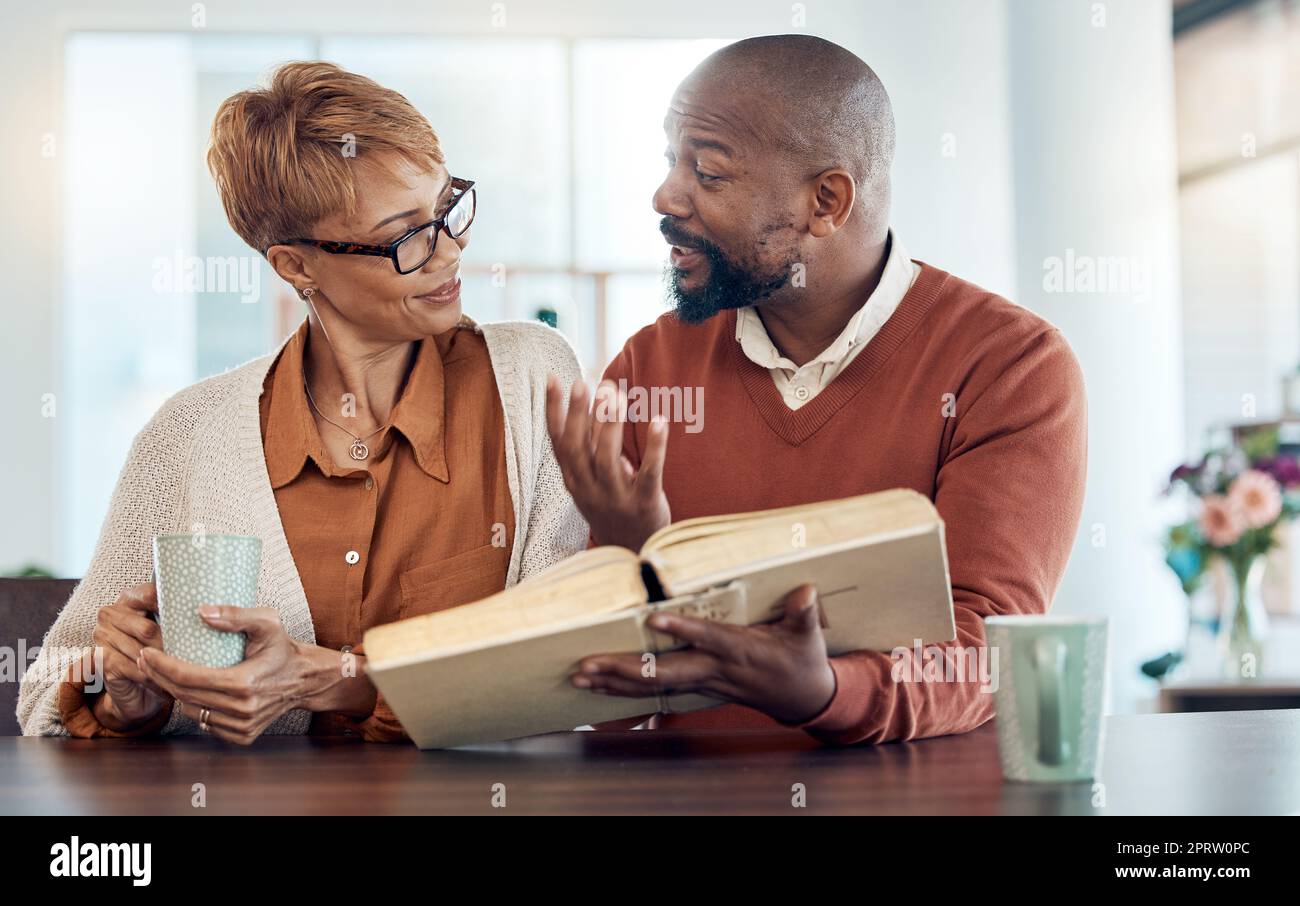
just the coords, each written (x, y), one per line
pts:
(245, 699)
(122, 630)
(623, 506)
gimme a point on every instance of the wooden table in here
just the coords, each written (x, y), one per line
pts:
(1244, 762)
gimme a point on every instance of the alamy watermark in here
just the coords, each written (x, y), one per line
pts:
(945, 664)
(52, 664)
(684, 405)
(76, 859)
(211, 274)
(1105, 275)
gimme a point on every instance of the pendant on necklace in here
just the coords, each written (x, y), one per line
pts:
(359, 451)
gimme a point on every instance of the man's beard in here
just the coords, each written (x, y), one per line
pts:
(729, 284)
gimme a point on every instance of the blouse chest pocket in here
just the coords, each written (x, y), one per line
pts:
(462, 579)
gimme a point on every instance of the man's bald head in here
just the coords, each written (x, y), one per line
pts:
(816, 100)
(778, 154)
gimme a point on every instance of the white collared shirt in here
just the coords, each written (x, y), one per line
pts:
(800, 383)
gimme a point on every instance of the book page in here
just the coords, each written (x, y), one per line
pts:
(717, 544)
(593, 582)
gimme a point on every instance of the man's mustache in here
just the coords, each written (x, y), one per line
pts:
(679, 237)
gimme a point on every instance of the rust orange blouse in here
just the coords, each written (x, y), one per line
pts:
(425, 523)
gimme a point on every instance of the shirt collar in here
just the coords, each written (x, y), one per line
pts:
(895, 281)
(419, 413)
(292, 436)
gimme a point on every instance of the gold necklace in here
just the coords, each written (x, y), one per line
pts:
(358, 450)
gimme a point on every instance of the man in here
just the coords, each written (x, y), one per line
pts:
(832, 365)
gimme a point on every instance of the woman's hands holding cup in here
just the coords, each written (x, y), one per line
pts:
(122, 630)
(243, 700)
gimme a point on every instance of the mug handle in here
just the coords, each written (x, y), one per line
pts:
(1049, 670)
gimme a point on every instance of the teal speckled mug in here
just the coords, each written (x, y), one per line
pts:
(196, 569)
(1050, 695)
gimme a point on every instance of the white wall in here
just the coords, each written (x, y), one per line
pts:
(1241, 318)
(1095, 171)
(28, 314)
(124, 346)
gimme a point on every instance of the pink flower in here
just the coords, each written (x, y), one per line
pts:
(1257, 496)
(1221, 521)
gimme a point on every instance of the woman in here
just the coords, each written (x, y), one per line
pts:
(391, 455)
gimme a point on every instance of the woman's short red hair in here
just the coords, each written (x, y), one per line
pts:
(283, 156)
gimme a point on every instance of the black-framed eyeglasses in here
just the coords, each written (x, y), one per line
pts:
(414, 249)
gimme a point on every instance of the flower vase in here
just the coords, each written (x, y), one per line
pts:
(1243, 626)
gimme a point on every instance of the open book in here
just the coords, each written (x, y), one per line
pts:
(499, 668)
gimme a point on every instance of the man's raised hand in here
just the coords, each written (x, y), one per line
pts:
(623, 505)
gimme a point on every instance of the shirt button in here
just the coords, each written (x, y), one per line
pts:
(801, 393)
(370, 483)
(352, 557)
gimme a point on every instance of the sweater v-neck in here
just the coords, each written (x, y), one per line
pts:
(795, 426)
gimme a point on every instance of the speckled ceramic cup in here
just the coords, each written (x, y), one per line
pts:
(192, 570)
(1050, 696)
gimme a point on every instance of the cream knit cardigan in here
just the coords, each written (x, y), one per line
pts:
(199, 463)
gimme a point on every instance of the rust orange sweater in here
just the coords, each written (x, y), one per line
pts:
(963, 396)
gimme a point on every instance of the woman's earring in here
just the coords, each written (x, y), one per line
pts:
(307, 293)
